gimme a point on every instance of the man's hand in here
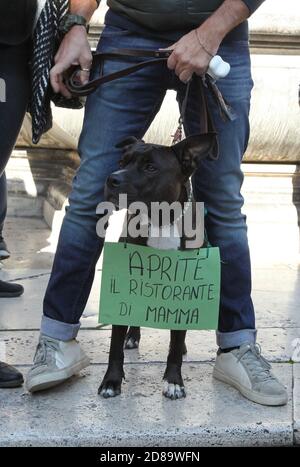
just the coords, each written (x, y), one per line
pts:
(189, 57)
(74, 50)
(193, 52)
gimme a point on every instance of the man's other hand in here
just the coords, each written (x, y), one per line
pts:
(74, 50)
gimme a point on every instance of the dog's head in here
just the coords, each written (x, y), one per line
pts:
(155, 173)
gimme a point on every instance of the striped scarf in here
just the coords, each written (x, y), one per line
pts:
(45, 44)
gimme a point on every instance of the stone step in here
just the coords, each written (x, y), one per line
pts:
(213, 414)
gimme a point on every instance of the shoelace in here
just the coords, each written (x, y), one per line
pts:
(41, 351)
(256, 362)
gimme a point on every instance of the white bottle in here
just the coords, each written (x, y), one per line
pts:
(218, 68)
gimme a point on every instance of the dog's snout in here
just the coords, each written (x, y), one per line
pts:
(114, 180)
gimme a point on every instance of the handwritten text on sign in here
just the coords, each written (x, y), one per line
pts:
(166, 289)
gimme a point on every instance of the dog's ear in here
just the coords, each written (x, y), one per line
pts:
(127, 142)
(192, 149)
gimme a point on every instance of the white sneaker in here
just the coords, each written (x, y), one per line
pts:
(54, 362)
(246, 370)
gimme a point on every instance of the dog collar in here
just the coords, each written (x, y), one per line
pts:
(187, 205)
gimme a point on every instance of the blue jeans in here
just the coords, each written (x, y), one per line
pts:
(127, 107)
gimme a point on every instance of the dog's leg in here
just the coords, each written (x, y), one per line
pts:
(173, 382)
(133, 338)
(184, 349)
(112, 381)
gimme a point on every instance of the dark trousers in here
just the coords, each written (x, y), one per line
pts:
(15, 89)
(3, 201)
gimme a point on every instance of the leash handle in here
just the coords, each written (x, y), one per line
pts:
(217, 68)
(80, 90)
(158, 57)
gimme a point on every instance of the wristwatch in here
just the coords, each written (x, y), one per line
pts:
(68, 21)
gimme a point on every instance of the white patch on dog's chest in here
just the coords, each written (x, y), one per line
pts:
(166, 238)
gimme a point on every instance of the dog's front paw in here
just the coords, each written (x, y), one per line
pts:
(109, 390)
(173, 391)
(173, 383)
(111, 385)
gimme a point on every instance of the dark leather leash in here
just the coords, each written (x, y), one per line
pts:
(79, 90)
(157, 57)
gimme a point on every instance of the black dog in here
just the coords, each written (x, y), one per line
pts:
(153, 173)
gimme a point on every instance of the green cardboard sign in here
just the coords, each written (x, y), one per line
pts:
(166, 289)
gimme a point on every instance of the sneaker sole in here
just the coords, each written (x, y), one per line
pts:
(46, 381)
(11, 384)
(248, 393)
(11, 294)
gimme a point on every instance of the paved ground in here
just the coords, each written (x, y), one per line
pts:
(212, 413)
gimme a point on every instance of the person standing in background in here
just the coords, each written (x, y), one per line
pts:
(28, 37)
(17, 18)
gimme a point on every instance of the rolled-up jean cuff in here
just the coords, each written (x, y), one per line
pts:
(58, 329)
(225, 340)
